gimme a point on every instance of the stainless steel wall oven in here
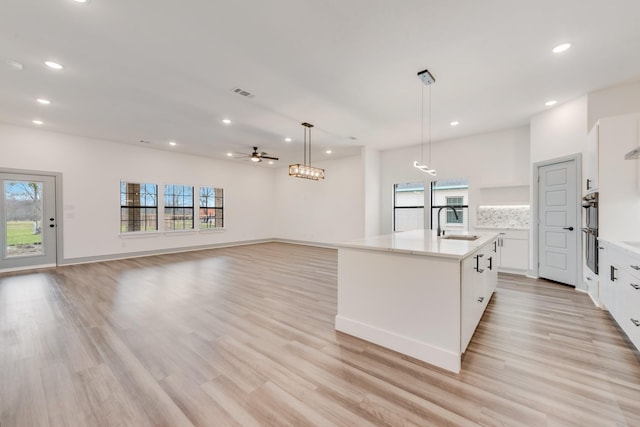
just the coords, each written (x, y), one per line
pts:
(590, 204)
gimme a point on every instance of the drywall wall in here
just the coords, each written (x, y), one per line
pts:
(492, 160)
(559, 132)
(91, 173)
(371, 165)
(325, 211)
(613, 101)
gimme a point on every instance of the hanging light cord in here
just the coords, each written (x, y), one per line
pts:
(305, 146)
(430, 162)
(422, 125)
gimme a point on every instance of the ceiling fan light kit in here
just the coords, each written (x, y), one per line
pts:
(305, 170)
(428, 79)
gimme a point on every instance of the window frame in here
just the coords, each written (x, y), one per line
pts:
(142, 208)
(218, 209)
(396, 207)
(178, 210)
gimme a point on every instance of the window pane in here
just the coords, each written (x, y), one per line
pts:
(178, 207)
(211, 207)
(138, 207)
(408, 206)
(409, 219)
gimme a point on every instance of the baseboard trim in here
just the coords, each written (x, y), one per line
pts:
(442, 358)
(114, 257)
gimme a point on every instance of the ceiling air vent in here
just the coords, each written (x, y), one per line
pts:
(242, 92)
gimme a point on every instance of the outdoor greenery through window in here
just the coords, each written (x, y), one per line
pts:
(178, 207)
(138, 207)
(211, 208)
(408, 206)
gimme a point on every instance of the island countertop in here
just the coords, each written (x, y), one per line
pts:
(421, 242)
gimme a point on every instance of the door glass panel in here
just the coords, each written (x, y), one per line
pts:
(23, 218)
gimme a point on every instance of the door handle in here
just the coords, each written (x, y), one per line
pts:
(568, 228)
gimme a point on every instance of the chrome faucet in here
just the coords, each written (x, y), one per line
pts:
(454, 212)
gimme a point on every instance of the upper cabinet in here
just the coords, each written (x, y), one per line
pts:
(591, 174)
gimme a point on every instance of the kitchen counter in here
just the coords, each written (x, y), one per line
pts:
(422, 242)
(415, 293)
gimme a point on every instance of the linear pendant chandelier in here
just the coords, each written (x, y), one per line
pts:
(428, 80)
(305, 170)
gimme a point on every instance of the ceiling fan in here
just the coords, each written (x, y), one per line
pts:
(257, 156)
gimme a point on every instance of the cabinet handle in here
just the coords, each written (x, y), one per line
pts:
(635, 267)
(612, 274)
(482, 299)
(635, 322)
(588, 278)
(588, 184)
(478, 269)
(495, 246)
(634, 286)
(490, 263)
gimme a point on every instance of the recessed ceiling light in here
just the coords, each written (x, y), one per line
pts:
(81, 1)
(14, 64)
(229, 154)
(53, 65)
(328, 151)
(550, 103)
(172, 143)
(287, 140)
(226, 121)
(43, 101)
(37, 122)
(270, 162)
(561, 47)
(454, 123)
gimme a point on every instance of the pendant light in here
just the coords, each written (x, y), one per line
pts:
(305, 170)
(428, 80)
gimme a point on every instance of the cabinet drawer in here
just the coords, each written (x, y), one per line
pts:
(628, 312)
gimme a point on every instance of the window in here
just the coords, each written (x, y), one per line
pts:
(138, 207)
(178, 207)
(451, 192)
(211, 208)
(451, 217)
(408, 206)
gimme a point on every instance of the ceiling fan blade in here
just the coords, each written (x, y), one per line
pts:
(269, 157)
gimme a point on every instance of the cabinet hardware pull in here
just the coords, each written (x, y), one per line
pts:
(477, 268)
(495, 246)
(490, 263)
(482, 299)
(634, 286)
(635, 267)
(568, 228)
(588, 278)
(588, 184)
(635, 322)
(613, 274)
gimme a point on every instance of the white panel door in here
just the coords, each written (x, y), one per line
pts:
(557, 250)
(27, 221)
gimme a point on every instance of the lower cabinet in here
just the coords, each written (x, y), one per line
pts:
(620, 287)
(513, 248)
(479, 279)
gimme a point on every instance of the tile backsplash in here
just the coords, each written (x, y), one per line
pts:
(503, 216)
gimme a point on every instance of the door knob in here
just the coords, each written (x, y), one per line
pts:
(568, 228)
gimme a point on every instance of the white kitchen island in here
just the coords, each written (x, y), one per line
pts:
(416, 293)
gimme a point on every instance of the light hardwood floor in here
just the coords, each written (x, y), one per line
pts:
(244, 337)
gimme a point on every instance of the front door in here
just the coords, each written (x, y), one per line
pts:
(27, 221)
(557, 229)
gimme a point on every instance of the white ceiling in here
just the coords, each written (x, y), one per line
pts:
(164, 70)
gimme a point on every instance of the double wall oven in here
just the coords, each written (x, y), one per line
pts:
(590, 204)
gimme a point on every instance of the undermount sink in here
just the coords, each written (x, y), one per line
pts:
(460, 237)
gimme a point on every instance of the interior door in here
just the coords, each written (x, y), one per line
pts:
(557, 230)
(27, 221)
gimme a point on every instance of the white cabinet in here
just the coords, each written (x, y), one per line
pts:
(479, 280)
(513, 251)
(620, 288)
(591, 173)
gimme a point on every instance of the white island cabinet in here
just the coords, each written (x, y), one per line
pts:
(416, 293)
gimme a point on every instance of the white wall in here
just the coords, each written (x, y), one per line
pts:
(560, 131)
(371, 160)
(91, 173)
(326, 211)
(614, 101)
(493, 159)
